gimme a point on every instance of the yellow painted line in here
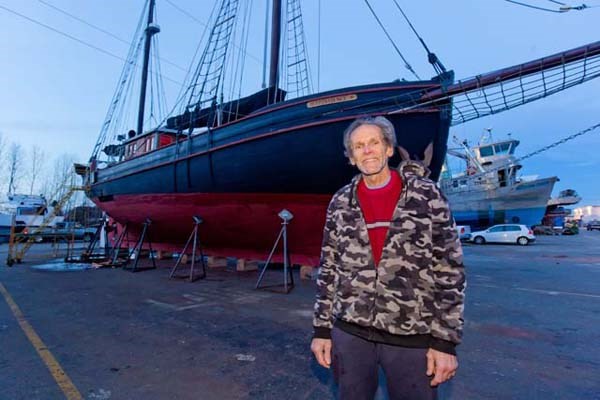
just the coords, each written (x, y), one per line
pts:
(59, 375)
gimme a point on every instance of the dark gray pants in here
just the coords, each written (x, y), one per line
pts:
(356, 361)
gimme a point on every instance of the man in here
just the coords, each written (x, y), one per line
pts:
(391, 280)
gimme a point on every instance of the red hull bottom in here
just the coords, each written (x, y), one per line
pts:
(242, 225)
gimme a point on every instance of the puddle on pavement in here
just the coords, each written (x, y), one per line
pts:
(60, 265)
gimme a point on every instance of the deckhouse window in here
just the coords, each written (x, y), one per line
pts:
(486, 151)
(502, 148)
(30, 210)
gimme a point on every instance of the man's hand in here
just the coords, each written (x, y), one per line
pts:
(321, 348)
(442, 365)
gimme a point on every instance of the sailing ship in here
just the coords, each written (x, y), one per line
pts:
(491, 189)
(238, 162)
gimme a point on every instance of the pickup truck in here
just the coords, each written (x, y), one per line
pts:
(62, 231)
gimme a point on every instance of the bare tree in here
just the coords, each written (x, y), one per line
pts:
(2, 163)
(61, 179)
(14, 167)
(36, 164)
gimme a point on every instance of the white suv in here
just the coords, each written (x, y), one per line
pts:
(506, 233)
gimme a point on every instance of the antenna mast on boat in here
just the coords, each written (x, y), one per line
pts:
(151, 29)
(275, 45)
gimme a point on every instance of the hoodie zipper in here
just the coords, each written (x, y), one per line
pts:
(371, 258)
(403, 192)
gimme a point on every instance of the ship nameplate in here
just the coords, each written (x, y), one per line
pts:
(331, 100)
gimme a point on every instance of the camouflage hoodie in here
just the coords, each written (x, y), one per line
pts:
(418, 286)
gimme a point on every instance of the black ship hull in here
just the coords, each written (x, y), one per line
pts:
(238, 176)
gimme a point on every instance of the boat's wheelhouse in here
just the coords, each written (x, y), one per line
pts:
(147, 142)
(487, 153)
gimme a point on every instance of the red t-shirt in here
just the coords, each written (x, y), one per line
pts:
(378, 206)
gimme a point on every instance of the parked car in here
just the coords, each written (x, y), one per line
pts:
(464, 232)
(595, 224)
(62, 231)
(505, 233)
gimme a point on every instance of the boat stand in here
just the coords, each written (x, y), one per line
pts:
(137, 250)
(115, 251)
(100, 239)
(88, 255)
(196, 244)
(288, 277)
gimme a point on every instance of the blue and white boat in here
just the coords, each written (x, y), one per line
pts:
(491, 190)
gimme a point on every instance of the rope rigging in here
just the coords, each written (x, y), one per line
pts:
(184, 12)
(532, 6)
(298, 77)
(186, 87)
(120, 115)
(319, 47)
(563, 6)
(560, 142)
(217, 75)
(99, 29)
(238, 65)
(499, 90)
(406, 63)
(207, 80)
(114, 116)
(215, 89)
(431, 57)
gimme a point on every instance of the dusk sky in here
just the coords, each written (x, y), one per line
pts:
(55, 90)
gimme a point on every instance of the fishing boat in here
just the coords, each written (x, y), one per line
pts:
(237, 162)
(491, 189)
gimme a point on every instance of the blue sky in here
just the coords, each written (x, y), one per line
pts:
(55, 91)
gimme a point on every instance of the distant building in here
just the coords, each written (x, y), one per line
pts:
(587, 213)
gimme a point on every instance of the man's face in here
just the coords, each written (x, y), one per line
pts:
(370, 153)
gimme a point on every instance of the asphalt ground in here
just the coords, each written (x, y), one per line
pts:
(532, 330)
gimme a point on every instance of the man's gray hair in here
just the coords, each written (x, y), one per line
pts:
(387, 130)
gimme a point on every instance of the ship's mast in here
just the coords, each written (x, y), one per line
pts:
(468, 156)
(275, 44)
(151, 29)
(265, 46)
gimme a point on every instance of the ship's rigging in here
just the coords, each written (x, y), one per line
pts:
(563, 7)
(212, 93)
(210, 100)
(237, 161)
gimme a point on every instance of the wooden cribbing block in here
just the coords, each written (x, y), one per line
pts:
(216, 262)
(144, 253)
(246, 265)
(163, 255)
(307, 272)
